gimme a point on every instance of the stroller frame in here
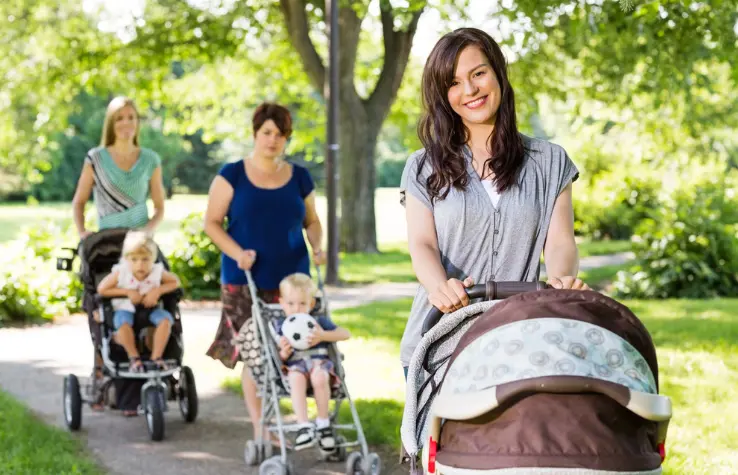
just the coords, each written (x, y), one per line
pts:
(260, 451)
(176, 383)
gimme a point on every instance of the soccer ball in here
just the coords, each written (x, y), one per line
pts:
(296, 328)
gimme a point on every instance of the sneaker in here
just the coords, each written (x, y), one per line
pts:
(305, 437)
(327, 439)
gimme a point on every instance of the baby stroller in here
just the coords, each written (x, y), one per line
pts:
(548, 381)
(98, 253)
(259, 341)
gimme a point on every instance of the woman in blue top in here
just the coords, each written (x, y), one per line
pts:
(268, 203)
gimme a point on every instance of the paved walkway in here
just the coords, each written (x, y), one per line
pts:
(33, 362)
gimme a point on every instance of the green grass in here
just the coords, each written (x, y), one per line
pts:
(697, 347)
(27, 445)
(602, 248)
(601, 277)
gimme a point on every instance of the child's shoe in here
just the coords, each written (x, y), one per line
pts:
(326, 439)
(305, 437)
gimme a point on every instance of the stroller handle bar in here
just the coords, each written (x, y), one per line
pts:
(489, 291)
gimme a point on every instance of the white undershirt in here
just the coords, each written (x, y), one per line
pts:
(491, 190)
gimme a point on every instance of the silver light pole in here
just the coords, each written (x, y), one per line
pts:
(331, 164)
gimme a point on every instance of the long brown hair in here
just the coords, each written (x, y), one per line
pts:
(441, 130)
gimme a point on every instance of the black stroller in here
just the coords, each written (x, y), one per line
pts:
(98, 253)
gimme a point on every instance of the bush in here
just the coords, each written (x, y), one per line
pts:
(389, 173)
(196, 260)
(615, 205)
(30, 286)
(687, 248)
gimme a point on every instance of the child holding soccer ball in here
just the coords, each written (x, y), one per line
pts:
(297, 295)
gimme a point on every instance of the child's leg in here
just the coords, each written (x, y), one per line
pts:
(298, 394)
(298, 378)
(123, 324)
(163, 321)
(320, 380)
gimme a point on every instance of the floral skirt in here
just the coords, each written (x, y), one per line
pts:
(236, 328)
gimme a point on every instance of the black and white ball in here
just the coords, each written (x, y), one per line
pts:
(297, 328)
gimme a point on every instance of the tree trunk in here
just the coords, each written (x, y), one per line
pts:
(360, 120)
(358, 139)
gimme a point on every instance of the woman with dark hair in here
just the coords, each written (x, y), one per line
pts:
(482, 200)
(268, 203)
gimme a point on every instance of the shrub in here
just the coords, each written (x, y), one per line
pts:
(30, 286)
(615, 205)
(196, 260)
(687, 248)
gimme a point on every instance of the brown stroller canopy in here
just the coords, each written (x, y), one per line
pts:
(551, 379)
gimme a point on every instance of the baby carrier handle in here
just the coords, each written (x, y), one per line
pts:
(489, 291)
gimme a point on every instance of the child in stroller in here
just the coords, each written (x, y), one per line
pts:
(138, 280)
(165, 379)
(297, 296)
(264, 352)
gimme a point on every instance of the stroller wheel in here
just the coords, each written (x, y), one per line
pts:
(354, 463)
(154, 410)
(372, 464)
(187, 395)
(72, 402)
(274, 466)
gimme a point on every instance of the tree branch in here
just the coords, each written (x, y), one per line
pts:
(397, 45)
(298, 29)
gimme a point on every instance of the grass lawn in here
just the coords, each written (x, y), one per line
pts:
(28, 445)
(697, 346)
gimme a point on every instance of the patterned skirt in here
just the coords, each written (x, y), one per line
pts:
(236, 328)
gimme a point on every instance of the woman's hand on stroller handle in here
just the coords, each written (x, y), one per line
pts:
(489, 291)
(246, 259)
(451, 295)
(567, 282)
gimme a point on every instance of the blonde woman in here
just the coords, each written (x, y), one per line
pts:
(122, 175)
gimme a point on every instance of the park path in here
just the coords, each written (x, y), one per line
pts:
(34, 361)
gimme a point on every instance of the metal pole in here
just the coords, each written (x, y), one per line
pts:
(331, 164)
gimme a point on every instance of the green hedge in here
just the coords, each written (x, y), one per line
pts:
(687, 248)
(31, 288)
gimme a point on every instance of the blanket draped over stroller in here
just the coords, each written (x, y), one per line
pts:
(546, 380)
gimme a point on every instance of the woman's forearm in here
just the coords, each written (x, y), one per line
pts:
(221, 239)
(426, 261)
(78, 213)
(155, 219)
(314, 233)
(562, 260)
